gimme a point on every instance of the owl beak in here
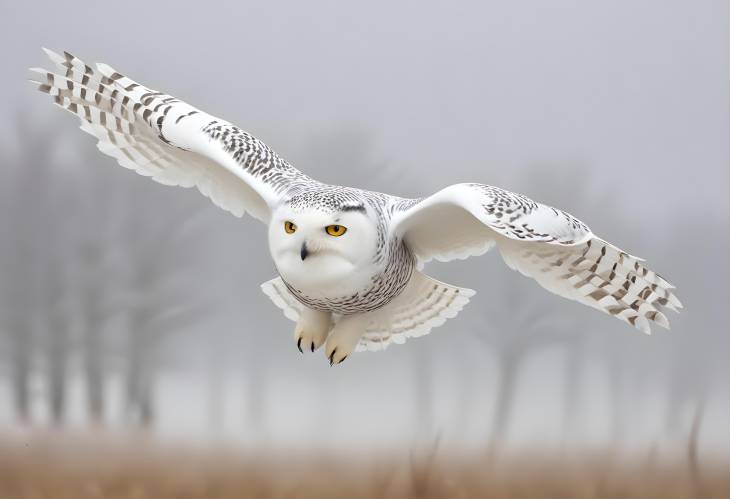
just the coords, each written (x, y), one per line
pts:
(304, 251)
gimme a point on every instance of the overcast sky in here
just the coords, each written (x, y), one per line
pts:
(460, 91)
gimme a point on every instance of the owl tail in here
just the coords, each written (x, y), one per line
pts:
(424, 304)
(277, 292)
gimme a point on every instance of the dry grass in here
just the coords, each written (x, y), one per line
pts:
(60, 469)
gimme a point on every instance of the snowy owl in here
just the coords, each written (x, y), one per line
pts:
(350, 261)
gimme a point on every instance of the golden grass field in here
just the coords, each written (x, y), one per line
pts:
(74, 469)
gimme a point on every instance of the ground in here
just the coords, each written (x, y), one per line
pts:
(135, 468)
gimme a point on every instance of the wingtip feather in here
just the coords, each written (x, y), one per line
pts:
(105, 69)
(642, 324)
(676, 301)
(662, 320)
(53, 56)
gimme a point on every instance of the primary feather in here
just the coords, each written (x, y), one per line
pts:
(549, 245)
(160, 136)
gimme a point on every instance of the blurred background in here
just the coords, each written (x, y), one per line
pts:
(131, 310)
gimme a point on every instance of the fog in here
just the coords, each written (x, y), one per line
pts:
(129, 305)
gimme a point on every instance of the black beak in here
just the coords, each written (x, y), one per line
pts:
(303, 253)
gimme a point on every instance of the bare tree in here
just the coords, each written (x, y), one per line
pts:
(97, 272)
(161, 300)
(424, 392)
(575, 352)
(76, 258)
(26, 286)
(55, 292)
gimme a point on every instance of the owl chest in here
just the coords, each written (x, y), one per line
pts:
(361, 293)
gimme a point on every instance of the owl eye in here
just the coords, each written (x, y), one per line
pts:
(335, 230)
(289, 227)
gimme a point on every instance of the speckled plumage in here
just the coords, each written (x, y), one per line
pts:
(393, 258)
(176, 144)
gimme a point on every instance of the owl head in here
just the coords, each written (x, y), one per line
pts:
(323, 242)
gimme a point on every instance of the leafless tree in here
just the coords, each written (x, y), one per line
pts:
(424, 420)
(513, 338)
(160, 297)
(26, 283)
(77, 256)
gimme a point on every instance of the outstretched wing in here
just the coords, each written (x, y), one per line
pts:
(164, 138)
(551, 246)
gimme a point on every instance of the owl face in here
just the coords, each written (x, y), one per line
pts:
(323, 250)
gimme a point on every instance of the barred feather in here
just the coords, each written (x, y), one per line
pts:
(128, 119)
(599, 275)
(425, 304)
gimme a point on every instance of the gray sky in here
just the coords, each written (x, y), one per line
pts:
(637, 91)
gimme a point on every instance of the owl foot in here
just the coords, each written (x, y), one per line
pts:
(343, 339)
(312, 329)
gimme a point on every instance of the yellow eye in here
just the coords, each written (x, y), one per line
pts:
(289, 227)
(335, 230)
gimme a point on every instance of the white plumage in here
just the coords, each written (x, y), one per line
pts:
(350, 260)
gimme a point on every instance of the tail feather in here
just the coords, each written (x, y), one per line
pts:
(425, 304)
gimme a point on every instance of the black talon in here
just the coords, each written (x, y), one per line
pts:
(299, 345)
(332, 357)
(342, 359)
(313, 346)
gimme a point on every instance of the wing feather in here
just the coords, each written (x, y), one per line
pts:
(544, 243)
(170, 141)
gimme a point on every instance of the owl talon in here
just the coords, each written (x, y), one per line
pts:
(312, 329)
(343, 339)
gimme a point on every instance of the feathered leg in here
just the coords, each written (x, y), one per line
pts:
(312, 329)
(345, 336)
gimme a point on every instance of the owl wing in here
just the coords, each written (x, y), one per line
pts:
(170, 141)
(551, 246)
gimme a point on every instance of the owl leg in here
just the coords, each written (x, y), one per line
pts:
(312, 329)
(344, 337)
